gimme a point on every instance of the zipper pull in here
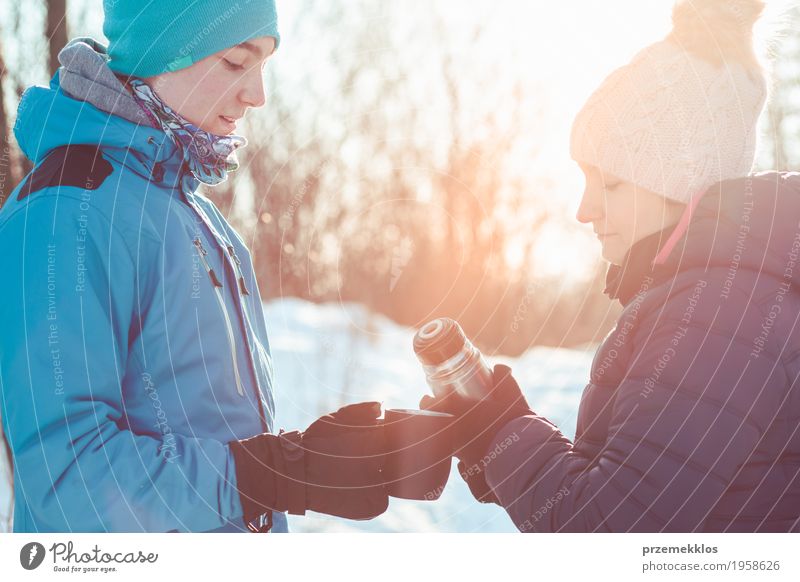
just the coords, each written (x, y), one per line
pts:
(242, 285)
(203, 252)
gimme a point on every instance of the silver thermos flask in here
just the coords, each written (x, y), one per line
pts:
(450, 361)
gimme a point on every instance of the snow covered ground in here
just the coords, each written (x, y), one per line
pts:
(329, 355)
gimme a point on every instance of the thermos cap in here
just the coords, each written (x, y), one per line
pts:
(439, 340)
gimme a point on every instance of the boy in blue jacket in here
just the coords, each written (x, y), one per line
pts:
(135, 371)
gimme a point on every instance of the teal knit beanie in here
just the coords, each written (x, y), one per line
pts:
(150, 37)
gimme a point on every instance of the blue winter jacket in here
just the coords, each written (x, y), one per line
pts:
(691, 419)
(134, 343)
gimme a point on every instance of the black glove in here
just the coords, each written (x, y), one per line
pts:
(477, 423)
(334, 467)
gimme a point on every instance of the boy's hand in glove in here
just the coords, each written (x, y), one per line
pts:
(477, 423)
(333, 467)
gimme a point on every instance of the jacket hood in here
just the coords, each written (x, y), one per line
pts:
(85, 103)
(750, 223)
(85, 75)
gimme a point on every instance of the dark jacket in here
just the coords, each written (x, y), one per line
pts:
(691, 419)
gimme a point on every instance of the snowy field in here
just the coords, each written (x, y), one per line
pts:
(330, 355)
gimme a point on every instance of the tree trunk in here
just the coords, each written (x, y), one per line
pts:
(24, 165)
(6, 179)
(56, 30)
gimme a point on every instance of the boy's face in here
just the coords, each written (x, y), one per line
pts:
(622, 213)
(216, 92)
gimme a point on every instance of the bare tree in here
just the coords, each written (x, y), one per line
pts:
(407, 259)
(56, 32)
(6, 177)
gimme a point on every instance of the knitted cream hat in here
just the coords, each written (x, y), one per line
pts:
(672, 122)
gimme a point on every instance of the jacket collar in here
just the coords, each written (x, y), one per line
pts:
(625, 281)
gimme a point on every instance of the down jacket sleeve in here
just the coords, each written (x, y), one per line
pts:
(692, 403)
(62, 362)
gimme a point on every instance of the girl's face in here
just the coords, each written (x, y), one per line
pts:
(216, 92)
(622, 213)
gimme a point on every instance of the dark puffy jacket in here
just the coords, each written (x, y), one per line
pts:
(691, 419)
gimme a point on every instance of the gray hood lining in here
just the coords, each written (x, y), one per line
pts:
(85, 75)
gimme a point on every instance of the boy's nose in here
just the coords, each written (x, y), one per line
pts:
(254, 94)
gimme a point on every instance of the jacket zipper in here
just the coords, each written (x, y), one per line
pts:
(217, 289)
(199, 213)
(239, 273)
(244, 291)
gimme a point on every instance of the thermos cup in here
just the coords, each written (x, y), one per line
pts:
(418, 453)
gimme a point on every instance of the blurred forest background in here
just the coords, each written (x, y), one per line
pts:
(413, 157)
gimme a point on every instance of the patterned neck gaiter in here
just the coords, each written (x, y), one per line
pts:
(209, 156)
